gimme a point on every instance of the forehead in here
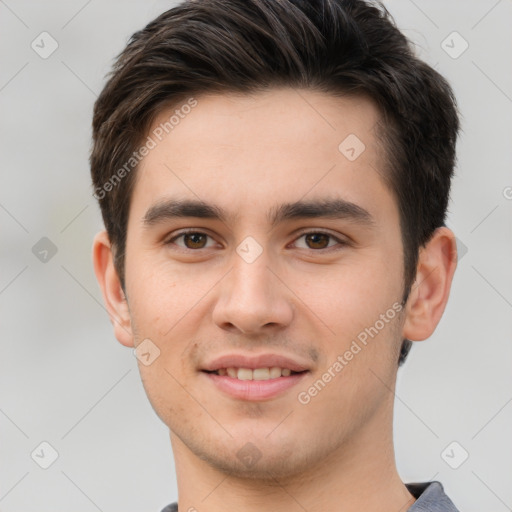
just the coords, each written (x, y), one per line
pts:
(240, 150)
(279, 118)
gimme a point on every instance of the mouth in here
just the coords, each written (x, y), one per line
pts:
(258, 384)
(260, 374)
(254, 376)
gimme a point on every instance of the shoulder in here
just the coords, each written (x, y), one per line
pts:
(430, 497)
(173, 507)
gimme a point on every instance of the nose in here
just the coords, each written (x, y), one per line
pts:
(253, 298)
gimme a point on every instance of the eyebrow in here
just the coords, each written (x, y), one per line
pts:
(324, 208)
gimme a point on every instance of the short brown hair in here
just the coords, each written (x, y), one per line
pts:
(339, 47)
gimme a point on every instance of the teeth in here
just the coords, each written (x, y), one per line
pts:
(244, 374)
(257, 374)
(275, 372)
(261, 374)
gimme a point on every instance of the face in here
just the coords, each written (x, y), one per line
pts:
(297, 255)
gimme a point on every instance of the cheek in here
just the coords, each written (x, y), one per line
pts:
(361, 308)
(163, 296)
(352, 297)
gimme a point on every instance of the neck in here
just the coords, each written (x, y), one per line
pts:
(358, 475)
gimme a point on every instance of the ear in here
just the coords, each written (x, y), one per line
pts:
(113, 295)
(429, 294)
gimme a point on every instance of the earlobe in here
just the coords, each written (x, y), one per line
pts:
(431, 289)
(113, 295)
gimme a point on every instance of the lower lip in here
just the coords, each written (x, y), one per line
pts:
(254, 389)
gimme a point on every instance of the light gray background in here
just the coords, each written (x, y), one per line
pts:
(64, 379)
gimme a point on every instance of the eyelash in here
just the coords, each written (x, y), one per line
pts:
(340, 243)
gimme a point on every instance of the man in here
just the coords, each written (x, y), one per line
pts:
(273, 176)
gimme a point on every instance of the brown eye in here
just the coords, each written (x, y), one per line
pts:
(317, 240)
(194, 240)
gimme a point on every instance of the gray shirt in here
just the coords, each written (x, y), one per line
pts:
(430, 497)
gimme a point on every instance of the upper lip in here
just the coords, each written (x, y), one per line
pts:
(252, 362)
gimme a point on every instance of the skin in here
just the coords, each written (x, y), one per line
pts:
(302, 297)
